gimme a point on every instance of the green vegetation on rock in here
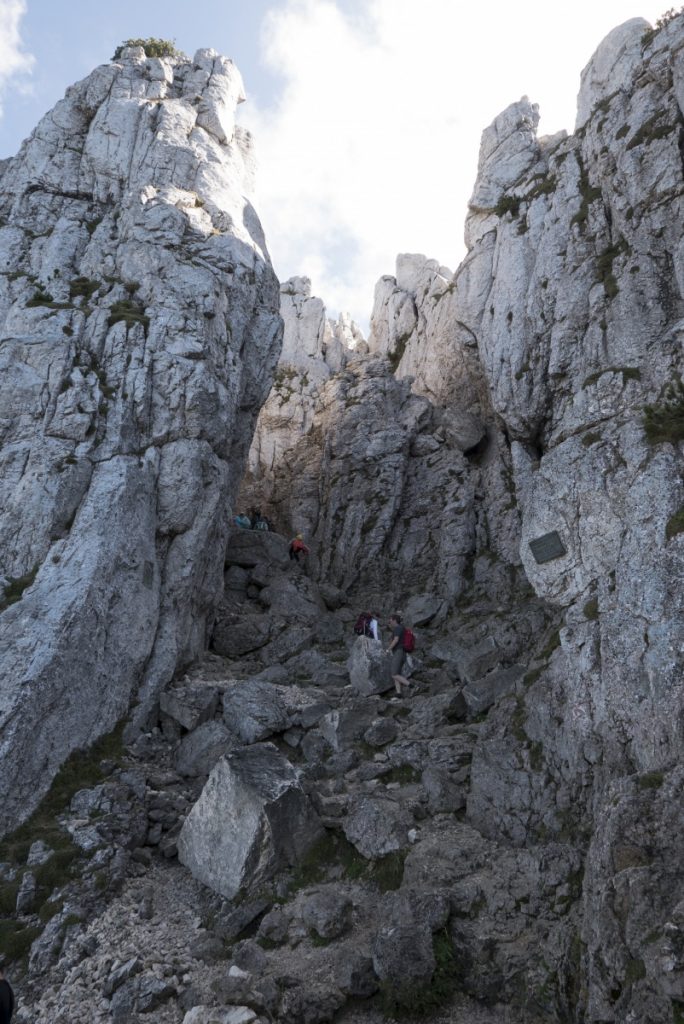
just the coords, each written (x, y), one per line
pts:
(152, 47)
(664, 421)
(675, 524)
(130, 312)
(15, 587)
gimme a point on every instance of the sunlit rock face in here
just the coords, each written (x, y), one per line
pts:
(139, 331)
(573, 291)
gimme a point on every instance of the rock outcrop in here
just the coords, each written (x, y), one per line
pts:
(139, 332)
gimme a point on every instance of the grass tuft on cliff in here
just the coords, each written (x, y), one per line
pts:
(664, 421)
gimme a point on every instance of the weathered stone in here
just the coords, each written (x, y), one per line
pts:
(422, 609)
(189, 706)
(251, 818)
(27, 893)
(403, 957)
(369, 667)
(343, 727)
(377, 826)
(356, 978)
(381, 732)
(236, 635)
(482, 693)
(274, 927)
(200, 750)
(219, 1015)
(254, 710)
(444, 795)
(327, 912)
(121, 974)
(39, 853)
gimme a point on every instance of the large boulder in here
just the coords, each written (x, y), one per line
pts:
(377, 826)
(251, 819)
(254, 709)
(200, 750)
(369, 667)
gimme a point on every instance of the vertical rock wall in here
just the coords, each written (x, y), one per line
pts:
(139, 329)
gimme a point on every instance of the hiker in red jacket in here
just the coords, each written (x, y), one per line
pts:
(297, 548)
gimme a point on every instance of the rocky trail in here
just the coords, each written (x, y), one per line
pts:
(379, 888)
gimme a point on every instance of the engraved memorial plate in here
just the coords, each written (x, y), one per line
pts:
(548, 547)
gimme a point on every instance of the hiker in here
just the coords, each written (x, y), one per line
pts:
(260, 522)
(243, 521)
(396, 649)
(6, 999)
(366, 625)
(297, 548)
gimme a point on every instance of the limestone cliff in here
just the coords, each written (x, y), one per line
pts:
(139, 330)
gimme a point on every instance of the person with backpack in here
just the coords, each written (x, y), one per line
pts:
(367, 625)
(297, 548)
(401, 644)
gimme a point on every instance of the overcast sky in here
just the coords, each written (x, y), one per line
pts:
(367, 113)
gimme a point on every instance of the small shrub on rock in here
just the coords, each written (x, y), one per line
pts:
(152, 47)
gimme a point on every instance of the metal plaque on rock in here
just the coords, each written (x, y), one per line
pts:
(547, 547)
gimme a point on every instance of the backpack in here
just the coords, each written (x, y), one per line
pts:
(362, 625)
(408, 640)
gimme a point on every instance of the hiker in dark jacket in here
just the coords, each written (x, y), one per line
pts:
(6, 999)
(396, 649)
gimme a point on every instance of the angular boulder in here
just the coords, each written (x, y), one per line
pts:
(201, 749)
(369, 667)
(251, 819)
(377, 826)
(254, 710)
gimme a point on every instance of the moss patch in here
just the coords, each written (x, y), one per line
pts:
(664, 421)
(81, 771)
(335, 851)
(675, 524)
(650, 780)
(83, 287)
(16, 939)
(628, 373)
(591, 609)
(15, 587)
(130, 312)
(650, 131)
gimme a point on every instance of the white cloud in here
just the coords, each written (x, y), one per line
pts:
(14, 61)
(371, 148)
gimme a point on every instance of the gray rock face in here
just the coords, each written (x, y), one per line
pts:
(402, 949)
(200, 750)
(133, 271)
(377, 826)
(328, 912)
(251, 818)
(369, 667)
